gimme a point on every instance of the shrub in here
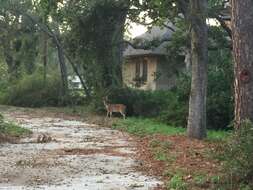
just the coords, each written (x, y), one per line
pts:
(219, 98)
(31, 91)
(238, 154)
(8, 130)
(220, 89)
(162, 105)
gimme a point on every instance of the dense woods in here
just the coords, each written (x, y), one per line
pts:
(45, 45)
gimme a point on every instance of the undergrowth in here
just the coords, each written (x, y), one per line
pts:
(143, 127)
(8, 129)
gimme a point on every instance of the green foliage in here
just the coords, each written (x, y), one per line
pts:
(162, 105)
(238, 154)
(176, 183)
(19, 38)
(200, 180)
(220, 89)
(217, 135)
(142, 127)
(220, 85)
(11, 129)
(32, 91)
(94, 38)
(146, 127)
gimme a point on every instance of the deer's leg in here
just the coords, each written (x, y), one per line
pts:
(107, 115)
(123, 114)
(110, 114)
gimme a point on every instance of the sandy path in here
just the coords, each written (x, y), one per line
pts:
(82, 157)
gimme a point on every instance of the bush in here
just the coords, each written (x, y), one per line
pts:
(220, 89)
(30, 91)
(238, 154)
(219, 97)
(10, 130)
(162, 105)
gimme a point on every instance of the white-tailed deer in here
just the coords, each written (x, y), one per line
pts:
(116, 108)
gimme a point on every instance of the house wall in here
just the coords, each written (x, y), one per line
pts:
(129, 72)
(161, 74)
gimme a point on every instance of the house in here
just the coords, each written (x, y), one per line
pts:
(147, 69)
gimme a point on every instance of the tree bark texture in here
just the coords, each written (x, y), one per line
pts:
(196, 127)
(242, 31)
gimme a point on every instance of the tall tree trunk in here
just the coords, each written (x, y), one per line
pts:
(45, 55)
(242, 31)
(117, 48)
(63, 67)
(61, 57)
(196, 127)
(75, 69)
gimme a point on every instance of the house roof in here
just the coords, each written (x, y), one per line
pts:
(154, 34)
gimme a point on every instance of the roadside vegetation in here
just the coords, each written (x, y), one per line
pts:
(143, 127)
(219, 162)
(10, 131)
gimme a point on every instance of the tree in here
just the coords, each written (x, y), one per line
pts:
(242, 31)
(196, 127)
(16, 7)
(18, 41)
(93, 39)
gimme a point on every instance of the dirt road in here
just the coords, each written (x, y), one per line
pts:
(80, 156)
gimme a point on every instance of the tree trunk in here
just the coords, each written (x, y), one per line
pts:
(196, 127)
(45, 55)
(61, 57)
(242, 31)
(63, 67)
(74, 67)
(117, 49)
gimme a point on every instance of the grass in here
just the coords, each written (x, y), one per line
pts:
(217, 135)
(176, 183)
(143, 127)
(12, 130)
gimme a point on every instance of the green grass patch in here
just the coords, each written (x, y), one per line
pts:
(12, 130)
(218, 135)
(176, 183)
(143, 127)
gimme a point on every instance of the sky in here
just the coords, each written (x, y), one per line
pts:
(136, 30)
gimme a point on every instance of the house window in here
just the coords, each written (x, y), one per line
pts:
(141, 72)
